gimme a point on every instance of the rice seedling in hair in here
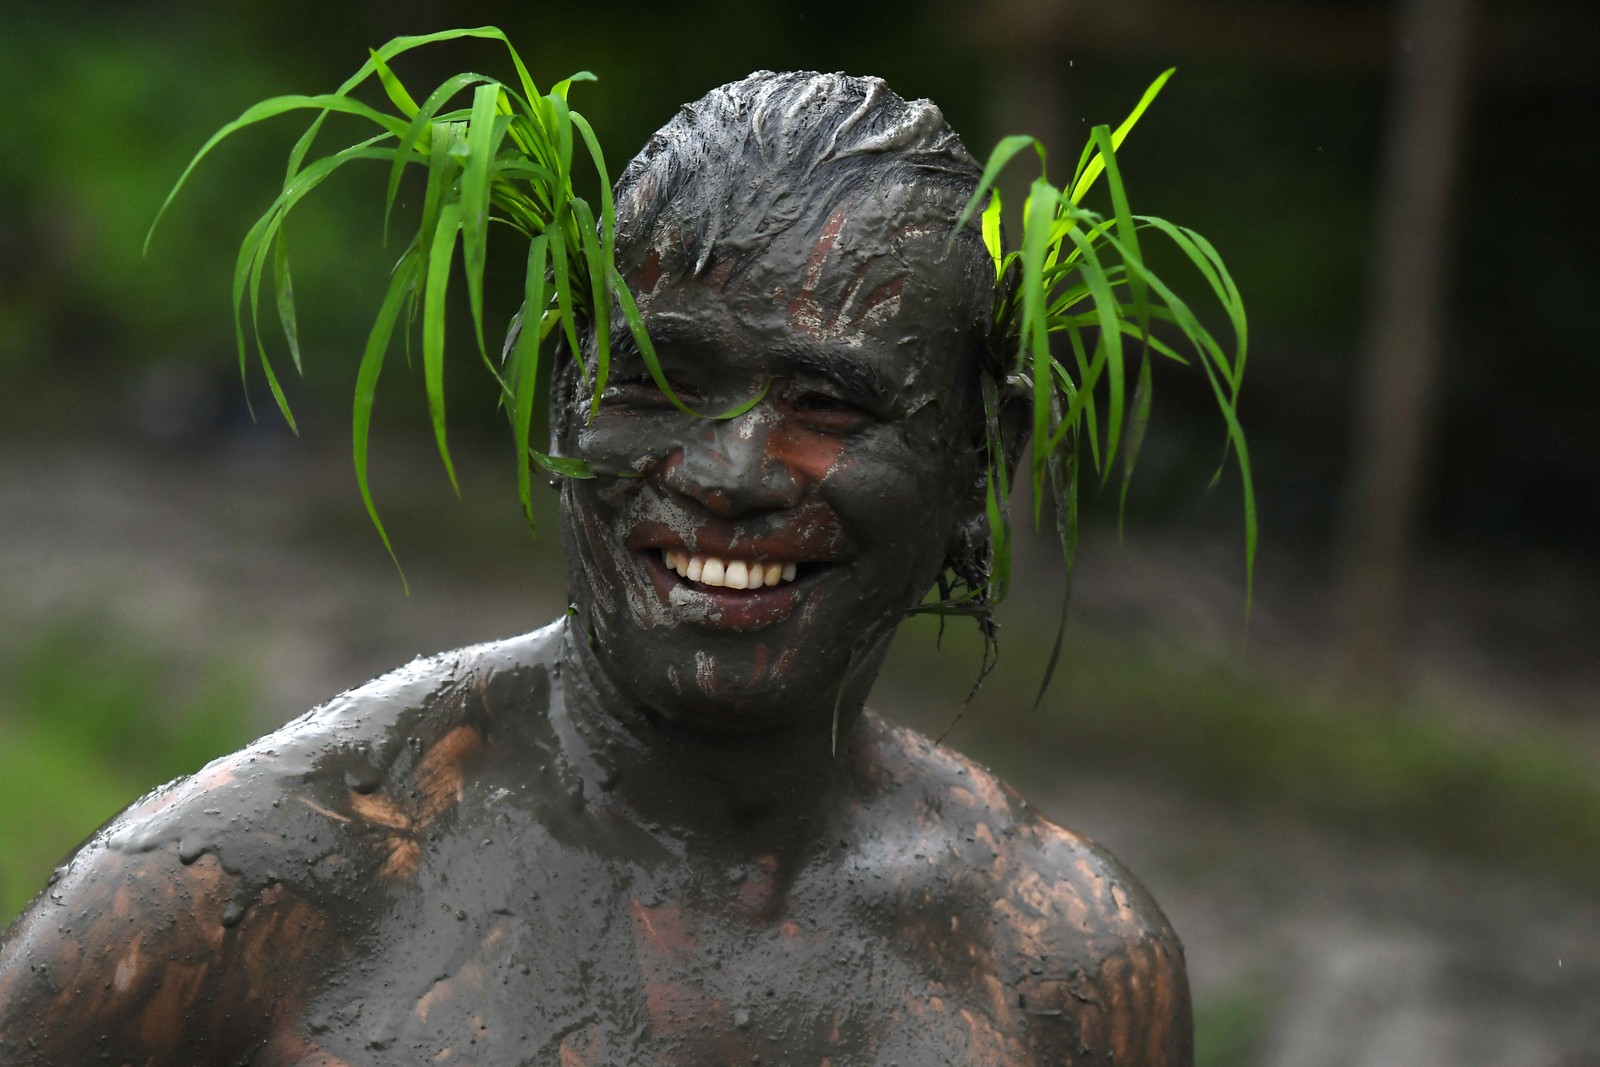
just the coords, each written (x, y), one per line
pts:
(1080, 282)
(1075, 304)
(492, 152)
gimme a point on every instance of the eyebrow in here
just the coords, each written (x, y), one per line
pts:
(835, 363)
(844, 369)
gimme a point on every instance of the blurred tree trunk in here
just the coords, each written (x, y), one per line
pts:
(1031, 91)
(1398, 378)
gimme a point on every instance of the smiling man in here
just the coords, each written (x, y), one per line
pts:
(663, 830)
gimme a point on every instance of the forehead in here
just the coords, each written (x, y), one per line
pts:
(873, 286)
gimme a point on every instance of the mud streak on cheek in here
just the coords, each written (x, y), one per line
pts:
(808, 456)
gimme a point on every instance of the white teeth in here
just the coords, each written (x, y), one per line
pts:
(727, 573)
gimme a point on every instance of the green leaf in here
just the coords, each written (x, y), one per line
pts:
(991, 234)
(267, 109)
(439, 256)
(1205, 258)
(1003, 153)
(1063, 467)
(565, 466)
(283, 289)
(596, 266)
(1096, 165)
(1127, 231)
(564, 302)
(1034, 343)
(260, 239)
(400, 282)
(997, 495)
(1109, 340)
(485, 130)
(426, 120)
(525, 367)
(392, 88)
(602, 260)
(1138, 422)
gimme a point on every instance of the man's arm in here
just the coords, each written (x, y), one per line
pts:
(135, 955)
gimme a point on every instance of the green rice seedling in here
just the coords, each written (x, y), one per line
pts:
(506, 157)
(1081, 274)
(503, 153)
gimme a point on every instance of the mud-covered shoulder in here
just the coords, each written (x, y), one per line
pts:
(1096, 967)
(1083, 960)
(219, 902)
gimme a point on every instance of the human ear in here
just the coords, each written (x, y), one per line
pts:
(968, 554)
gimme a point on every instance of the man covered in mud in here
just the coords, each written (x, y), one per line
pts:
(663, 830)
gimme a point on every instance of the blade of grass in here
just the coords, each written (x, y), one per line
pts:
(1096, 165)
(1109, 339)
(425, 120)
(267, 109)
(439, 256)
(1003, 153)
(1034, 348)
(525, 368)
(1063, 469)
(485, 130)
(377, 345)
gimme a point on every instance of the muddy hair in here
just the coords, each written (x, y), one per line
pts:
(771, 152)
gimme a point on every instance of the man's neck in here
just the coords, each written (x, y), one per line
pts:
(765, 792)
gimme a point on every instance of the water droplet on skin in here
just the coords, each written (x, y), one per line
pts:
(190, 849)
(232, 913)
(56, 875)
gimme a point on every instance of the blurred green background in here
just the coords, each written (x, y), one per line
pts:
(1373, 812)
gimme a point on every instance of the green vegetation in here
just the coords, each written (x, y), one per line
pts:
(508, 158)
(88, 721)
(1228, 1028)
(1412, 774)
(1078, 271)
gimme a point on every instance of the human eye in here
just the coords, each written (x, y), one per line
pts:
(827, 413)
(638, 390)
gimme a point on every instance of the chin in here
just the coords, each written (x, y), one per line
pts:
(772, 663)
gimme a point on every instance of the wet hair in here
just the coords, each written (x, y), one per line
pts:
(772, 152)
(755, 158)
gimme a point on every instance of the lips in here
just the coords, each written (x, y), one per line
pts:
(724, 606)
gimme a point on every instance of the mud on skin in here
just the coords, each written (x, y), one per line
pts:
(627, 838)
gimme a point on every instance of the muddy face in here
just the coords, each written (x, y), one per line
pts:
(753, 563)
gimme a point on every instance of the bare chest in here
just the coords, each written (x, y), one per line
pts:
(594, 965)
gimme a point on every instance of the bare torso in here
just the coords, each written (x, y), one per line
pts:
(418, 873)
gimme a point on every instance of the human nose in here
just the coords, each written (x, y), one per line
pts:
(732, 468)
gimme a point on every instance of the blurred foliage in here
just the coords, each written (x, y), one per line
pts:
(90, 719)
(1411, 775)
(1229, 1026)
(1277, 163)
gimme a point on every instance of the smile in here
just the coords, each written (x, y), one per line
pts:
(727, 573)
